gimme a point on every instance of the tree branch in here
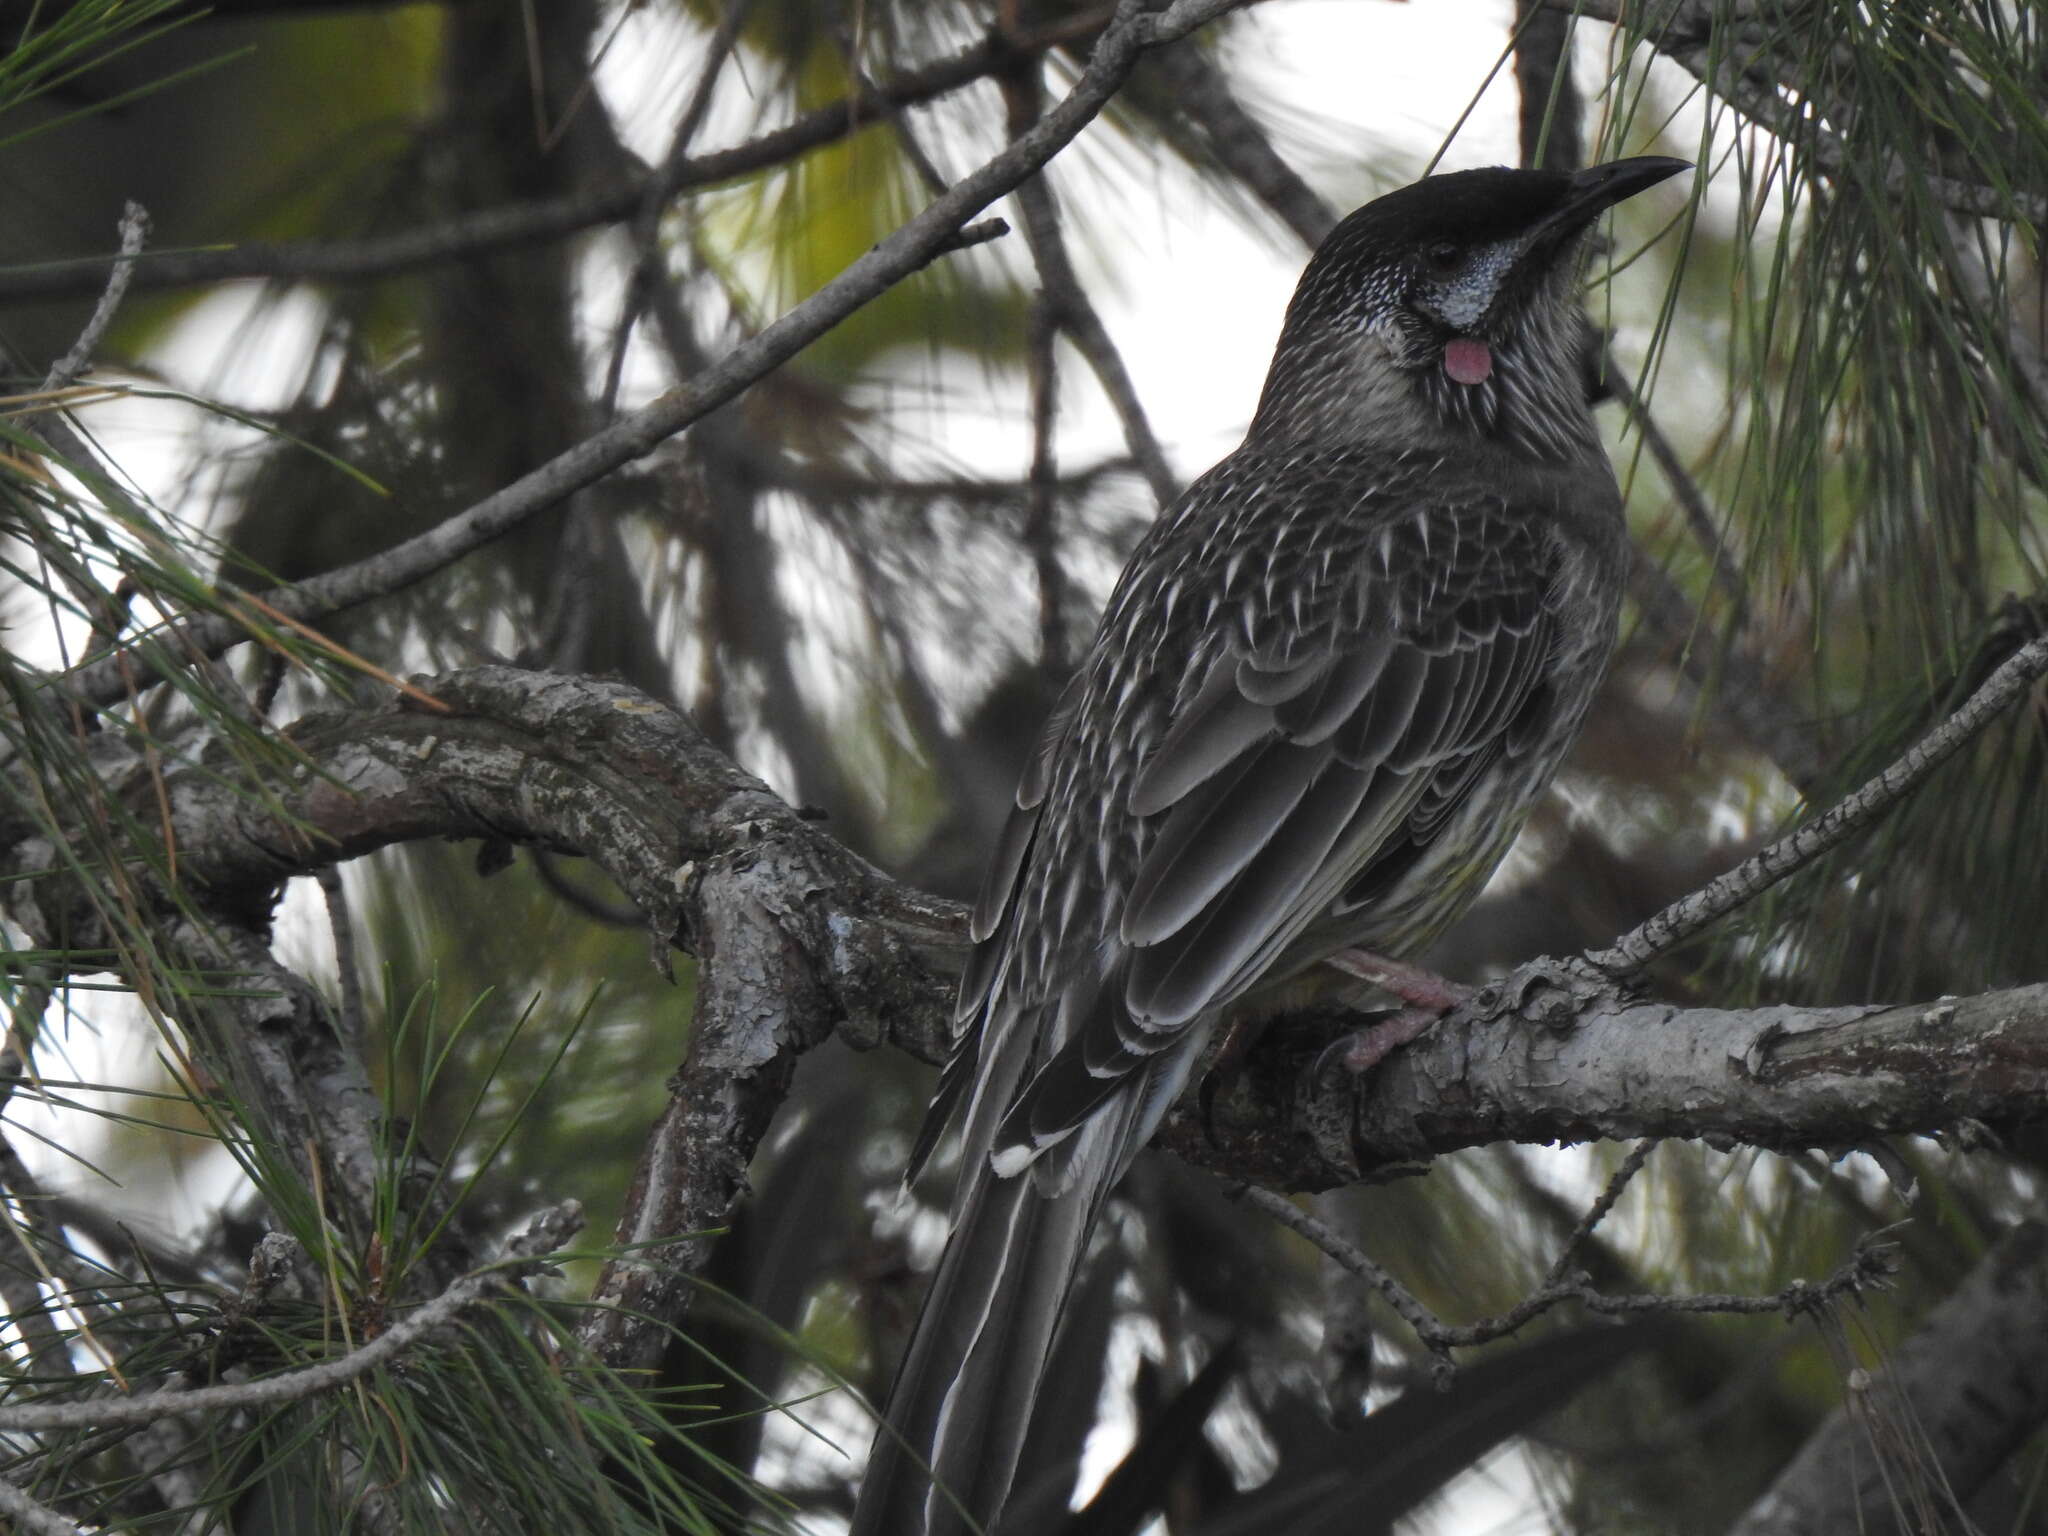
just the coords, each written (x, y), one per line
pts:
(1071, 310)
(548, 1232)
(29, 1516)
(632, 436)
(818, 939)
(1562, 1069)
(1683, 31)
(533, 223)
(1871, 1266)
(134, 229)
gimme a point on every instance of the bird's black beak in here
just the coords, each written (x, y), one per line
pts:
(1599, 187)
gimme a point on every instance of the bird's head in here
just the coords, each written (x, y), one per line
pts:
(1448, 309)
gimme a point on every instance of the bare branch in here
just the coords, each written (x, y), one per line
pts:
(1242, 145)
(1871, 1267)
(64, 372)
(1752, 877)
(633, 436)
(532, 223)
(29, 1516)
(548, 1232)
(1597, 1212)
(1075, 314)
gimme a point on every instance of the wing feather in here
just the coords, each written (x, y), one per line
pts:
(1211, 835)
(1311, 716)
(1172, 981)
(1215, 729)
(1383, 715)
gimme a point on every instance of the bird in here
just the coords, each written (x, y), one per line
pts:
(1324, 695)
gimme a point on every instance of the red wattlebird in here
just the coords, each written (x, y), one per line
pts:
(1328, 688)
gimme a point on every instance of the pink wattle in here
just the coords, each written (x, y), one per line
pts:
(1467, 361)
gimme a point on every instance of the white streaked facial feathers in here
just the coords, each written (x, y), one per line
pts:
(1462, 299)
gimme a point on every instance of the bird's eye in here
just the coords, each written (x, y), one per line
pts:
(1442, 255)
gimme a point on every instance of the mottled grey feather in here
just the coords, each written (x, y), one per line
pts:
(1204, 841)
(1213, 730)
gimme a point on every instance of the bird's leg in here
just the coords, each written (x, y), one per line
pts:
(1363, 1049)
(1428, 996)
(1410, 983)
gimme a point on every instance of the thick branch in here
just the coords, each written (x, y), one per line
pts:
(1565, 1070)
(814, 934)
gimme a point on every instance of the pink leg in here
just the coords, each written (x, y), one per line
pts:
(1410, 983)
(1428, 996)
(1364, 1049)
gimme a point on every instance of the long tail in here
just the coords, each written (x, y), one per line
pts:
(962, 1400)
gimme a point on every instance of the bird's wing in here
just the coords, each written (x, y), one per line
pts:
(998, 887)
(1292, 785)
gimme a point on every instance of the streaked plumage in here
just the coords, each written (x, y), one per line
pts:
(1324, 695)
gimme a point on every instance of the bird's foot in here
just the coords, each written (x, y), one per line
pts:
(1412, 984)
(1428, 997)
(1363, 1049)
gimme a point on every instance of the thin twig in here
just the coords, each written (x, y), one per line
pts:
(637, 434)
(354, 1022)
(660, 188)
(613, 914)
(1076, 315)
(532, 223)
(1741, 694)
(1750, 879)
(1631, 1165)
(1705, 526)
(1041, 519)
(1871, 1266)
(134, 229)
(548, 1232)
(893, 112)
(1682, 30)
(968, 237)
(1235, 138)
(1347, 1253)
